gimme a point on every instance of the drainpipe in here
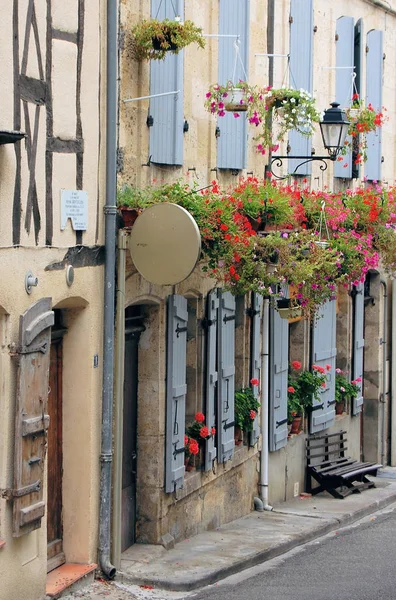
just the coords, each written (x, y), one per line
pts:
(109, 280)
(264, 407)
(384, 391)
(118, 399)
(393, 380)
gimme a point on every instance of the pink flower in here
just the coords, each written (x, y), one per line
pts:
(338, 371)
(236, 115)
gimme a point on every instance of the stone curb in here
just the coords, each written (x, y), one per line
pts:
(195, 581)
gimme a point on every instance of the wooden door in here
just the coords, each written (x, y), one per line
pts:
(129, 446)
(55, 553)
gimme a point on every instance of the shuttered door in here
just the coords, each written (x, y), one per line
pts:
(211, 375)
(233, 20)
(301, 60)
(358, 346)
(226, 383)
(324, 353)
(31, 419)
(374, 75)
(255, 360)
(176, 390)
(166, 134)
(344, 84)
(279, 362)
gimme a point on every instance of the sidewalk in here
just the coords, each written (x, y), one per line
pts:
(251, 540)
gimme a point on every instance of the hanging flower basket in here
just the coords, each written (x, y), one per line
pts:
(152, 39)
(236, 101)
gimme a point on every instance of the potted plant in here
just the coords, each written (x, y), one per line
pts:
(198, 432)
(303, 387)
(344, 389)
(246, 409)
(265, 107)
(152, 39)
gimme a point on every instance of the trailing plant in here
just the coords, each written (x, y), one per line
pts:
(284, 108)
(152, 39)
(246, 407)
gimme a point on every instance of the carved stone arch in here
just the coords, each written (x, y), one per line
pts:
(149, 299)
(72, 302)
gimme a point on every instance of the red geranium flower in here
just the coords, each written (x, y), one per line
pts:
(224, 227)
(328, 367)
(200, 417)
(291, 389)
(252, 414)
(185, 440)
(254, 381)
(213, 430)
(296, 365)
(204, 432)
(193, 447)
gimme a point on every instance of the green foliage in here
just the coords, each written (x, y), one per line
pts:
(245, 405)
(345, 388)
(170, 35)
(303, 388)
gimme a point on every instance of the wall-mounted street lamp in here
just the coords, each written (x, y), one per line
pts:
(334, 129)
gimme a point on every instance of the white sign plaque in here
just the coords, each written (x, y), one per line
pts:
(74, 206)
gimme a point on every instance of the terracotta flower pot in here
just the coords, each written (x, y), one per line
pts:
(296, 425)
(340, 407)
(129, 215)
(238, 436)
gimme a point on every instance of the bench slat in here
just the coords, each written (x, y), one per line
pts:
(358, 465)
(328, 466)
(324, 436)
(318, 453)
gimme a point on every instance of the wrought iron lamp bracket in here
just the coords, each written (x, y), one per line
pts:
(277, 162)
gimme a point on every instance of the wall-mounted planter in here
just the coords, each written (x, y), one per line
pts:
(129, 215)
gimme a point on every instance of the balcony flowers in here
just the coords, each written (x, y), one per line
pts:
(273, 112)
(303, 388)
(152, 39)
(246, 407)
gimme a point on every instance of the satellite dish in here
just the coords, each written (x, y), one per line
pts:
(165, 244)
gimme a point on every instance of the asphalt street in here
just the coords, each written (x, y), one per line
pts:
(357, 563)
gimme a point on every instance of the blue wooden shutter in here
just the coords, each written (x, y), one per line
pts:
(279, 363)
(374, 73)
(166, 134)
(344, 83)
(301, 61)
(176, 390)
(233, 20)
(358, 62)
(358, 346)
(255, 360)
(226, 382)
(324, 353)
(211, 375)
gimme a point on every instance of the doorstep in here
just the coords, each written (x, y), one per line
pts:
(66, 576)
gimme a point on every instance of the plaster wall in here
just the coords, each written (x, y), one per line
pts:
(23, 561)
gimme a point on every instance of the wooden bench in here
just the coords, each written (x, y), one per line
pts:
(335, 472)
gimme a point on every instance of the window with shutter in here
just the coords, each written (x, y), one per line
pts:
(176, 390)
(31, 420)
(374, 75)
(345, 31)
(233, 20)
(166, 133)
(301, 61)
(255, 359)
(279, 364)
(324, 353)
(211, 375)
(358, 346)
(226, 376)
